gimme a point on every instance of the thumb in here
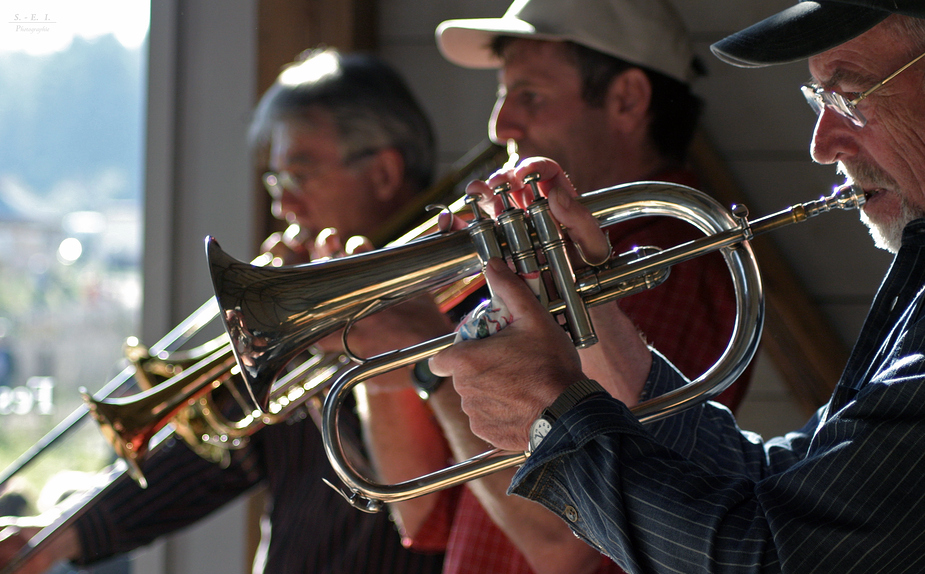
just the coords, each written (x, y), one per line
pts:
(328, 244)
(514, 292)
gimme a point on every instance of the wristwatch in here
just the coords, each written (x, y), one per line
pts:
(573, 395)
(425, 382)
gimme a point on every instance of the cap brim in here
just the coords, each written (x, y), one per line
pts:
(467, 43)
(801, 31)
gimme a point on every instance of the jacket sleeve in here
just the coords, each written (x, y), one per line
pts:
(848, 497)
(182, 488)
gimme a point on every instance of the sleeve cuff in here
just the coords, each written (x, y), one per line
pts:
(590, 418)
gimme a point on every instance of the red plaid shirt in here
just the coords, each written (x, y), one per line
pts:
(688, 318)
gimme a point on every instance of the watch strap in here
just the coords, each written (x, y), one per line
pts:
(571, 396)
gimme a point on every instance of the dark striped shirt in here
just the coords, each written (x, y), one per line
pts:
(314, 530)
(693, 493)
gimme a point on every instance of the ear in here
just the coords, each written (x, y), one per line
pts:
(628, 100)
(387, 173)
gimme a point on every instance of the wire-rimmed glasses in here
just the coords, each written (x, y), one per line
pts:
(820, 98)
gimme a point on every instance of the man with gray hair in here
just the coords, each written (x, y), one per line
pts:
(845, 493)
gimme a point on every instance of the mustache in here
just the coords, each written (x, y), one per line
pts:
(866, 175)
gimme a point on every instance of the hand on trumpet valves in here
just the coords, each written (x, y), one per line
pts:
(330, 245)
(287, 247)
(551, 182)
(507, 379)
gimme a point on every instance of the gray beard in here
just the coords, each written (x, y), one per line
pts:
(889, 235)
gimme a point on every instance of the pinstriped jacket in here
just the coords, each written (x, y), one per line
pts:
(693, 493)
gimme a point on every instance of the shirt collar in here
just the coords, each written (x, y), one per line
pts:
(914, 233)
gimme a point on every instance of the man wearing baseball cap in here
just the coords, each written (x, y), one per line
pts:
(693, 493)
(602, 87)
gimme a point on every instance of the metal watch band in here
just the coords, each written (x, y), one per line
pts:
(571, 397)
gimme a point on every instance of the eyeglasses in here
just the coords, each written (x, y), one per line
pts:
(278, 182)
(819, 98)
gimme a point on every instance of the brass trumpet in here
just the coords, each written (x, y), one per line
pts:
(181, 391)
(271, 314)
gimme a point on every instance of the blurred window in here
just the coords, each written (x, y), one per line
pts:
(72, 110)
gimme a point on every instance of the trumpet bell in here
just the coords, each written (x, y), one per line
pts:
(273, 314)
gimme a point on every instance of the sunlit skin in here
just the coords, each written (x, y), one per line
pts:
(539, 106)
(887, 156)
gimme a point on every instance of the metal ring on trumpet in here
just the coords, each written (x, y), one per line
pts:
(602, 261)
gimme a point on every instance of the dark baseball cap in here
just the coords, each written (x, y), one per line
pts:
(808, 28)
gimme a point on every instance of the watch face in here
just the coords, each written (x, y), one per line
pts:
(538, 431)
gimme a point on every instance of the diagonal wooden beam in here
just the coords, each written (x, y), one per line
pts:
(798, 338)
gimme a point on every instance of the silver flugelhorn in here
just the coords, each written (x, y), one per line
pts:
(270, 314)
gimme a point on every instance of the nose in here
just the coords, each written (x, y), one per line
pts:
(502, 126)
(834, 138)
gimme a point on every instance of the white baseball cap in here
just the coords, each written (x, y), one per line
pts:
(647, 33)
